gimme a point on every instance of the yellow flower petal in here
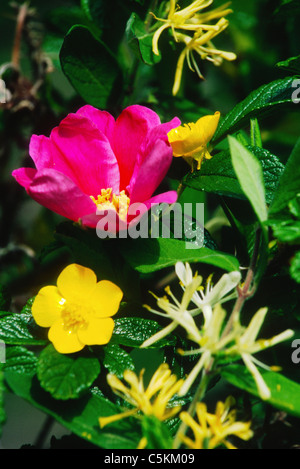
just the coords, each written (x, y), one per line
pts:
(191, 139)
(105, 299)
(76, 282)
(46, 307)
(97, 332)
(64, 340)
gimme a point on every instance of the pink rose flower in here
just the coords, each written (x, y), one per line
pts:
(92, 162)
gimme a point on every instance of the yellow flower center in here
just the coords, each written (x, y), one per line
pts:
(74, 316)
(107, 200)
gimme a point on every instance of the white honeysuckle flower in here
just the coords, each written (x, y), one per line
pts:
(193, 293)
(206, 300)
(178, 312)
(246, 344)
(211, 344)
(240, 342)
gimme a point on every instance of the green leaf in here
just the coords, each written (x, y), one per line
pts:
(255, 133)
(20, 360)
(284, 392)
(90, 67)
(81, 416)
(286, 231)
(259, 103)
(150, 255)
(132, 332)
(66, 376)
(140, 40)
(218, 176)
(116, 360)
(19, 329)
(292, 64)
(156, 433)
(250, 176)
(288, 186)
(295, 267)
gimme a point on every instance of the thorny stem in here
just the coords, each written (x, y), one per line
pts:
(243, 293)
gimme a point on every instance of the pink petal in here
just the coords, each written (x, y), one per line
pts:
(151, 173)
(132, 127)
(88, 153)
(153, 164)
(60, 194)
(41, 151)
(24, 176)
(102, 120)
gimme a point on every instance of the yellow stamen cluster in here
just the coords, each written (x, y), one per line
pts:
(189, 20)
(107, 200)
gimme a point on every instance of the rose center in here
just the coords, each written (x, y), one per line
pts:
(107, 200)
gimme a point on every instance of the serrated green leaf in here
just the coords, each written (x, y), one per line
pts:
(132, 332)
(19, 329)
(150, 255)
(284, 392)
(259, 103)
(116, 360)
(250, 176)
(66, 376)
(218, 176)
(20, 360)
(90, 67)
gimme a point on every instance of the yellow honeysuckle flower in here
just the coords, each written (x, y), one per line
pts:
(78, 310)
(212, 430)
(153, 400)
(190, 140)
(189, 20)
(201, 43)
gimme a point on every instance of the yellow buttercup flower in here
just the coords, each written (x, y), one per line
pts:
(196, 34)
(153, 400)
(190, 141)
(212, 430)
(78, 310)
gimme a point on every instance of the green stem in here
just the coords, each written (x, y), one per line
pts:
(192, 408)
(247, 290)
